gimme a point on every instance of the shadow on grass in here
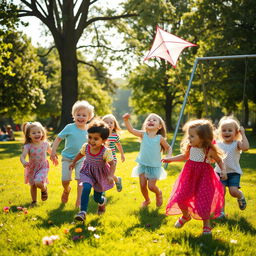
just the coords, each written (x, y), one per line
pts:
(150, 220)
(206, 245)
(10, 149)
(131, 144)
(241, 224)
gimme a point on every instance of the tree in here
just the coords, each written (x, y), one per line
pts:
(66, 21)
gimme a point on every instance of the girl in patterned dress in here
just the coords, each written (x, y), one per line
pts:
(197, 192)
(149, 168)
(36, 169)
(113, 142)
(97, 170)
(232, 140)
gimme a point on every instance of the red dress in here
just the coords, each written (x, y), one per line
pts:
(198, 189)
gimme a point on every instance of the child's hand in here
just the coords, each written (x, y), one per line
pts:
(110, 179)
(25, 164)
(126, 116)
(241, 130)
(166, 160)
(122, 159)
(55, 161)
(223, 175)
(53, 156)
(72, 166)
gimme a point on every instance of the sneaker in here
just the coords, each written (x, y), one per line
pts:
(119, 186)
(181, 221)
(222, 216)
(241, 203)
(81, 216)
(207, 231)
(102, 207)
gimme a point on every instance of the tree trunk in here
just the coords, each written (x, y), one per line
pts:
(69, 81)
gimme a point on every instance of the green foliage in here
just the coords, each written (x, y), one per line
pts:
(124, 229)
(24, 85)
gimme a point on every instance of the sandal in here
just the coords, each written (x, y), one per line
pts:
(159, 199)
(64, 197)
(207, 231)
(241, 203)
(181, 221)
(44, 195)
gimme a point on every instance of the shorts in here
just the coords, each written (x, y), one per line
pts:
(66, 173)
(233, 180)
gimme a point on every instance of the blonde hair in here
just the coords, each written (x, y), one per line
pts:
(26, 128)
(161, 131)
(83, 104)
(116, 128)
(205, 131)
(229, 120)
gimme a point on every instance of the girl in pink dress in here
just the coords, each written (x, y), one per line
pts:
(198, 192)
(36, 170)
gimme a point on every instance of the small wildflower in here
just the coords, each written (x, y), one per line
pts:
(19, 208)
(50, 222)
(74, 238)
(78, 230)
(232, 241)
(91, 228)
(148, 225)
(65, 230)
(96, 236)
(47, 240)
(55, 237)
(34, 219)
(25, 211)
(6, 209)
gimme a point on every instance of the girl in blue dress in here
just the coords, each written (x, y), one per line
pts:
(149, 168)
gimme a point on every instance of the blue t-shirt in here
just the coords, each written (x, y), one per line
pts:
(74, 140)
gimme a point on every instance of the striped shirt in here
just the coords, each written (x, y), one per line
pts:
(112, 140)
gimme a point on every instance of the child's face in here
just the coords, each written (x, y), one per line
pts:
(95, 140)
(153, 123)
(81, 117)
(110, 122)
(194, 140)
(35, 134)
(228, 132)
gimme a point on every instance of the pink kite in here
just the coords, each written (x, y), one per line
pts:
(167, 46)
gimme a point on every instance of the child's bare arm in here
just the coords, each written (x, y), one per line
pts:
(55, 159)
(129, 127)
(166, 146)
(77, 158)
(213, 155)
(180, 157)
(55, 145)
(23, 157)
(244, 143)
(112, 170)
(120, 149)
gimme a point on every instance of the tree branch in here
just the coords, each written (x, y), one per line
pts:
(49, 50)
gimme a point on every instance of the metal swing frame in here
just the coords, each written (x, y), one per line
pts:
(198, 60)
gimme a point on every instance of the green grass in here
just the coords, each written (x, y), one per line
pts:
(124, 229)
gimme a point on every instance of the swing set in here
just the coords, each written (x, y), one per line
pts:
(199, 60)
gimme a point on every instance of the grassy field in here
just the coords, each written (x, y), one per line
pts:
(124, 229)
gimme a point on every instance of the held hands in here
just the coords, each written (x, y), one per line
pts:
(166, 160)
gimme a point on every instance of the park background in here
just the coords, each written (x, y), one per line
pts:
(82, 48)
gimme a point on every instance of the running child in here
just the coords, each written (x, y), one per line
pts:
(113, 142)
(36, 147)
(149, 168)
(98, 168)
(198, 192)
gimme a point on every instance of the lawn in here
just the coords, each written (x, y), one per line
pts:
(124, 229)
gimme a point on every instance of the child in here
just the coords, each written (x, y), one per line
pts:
(113, 142)
(149, 167)
(97, 170)
(197, 192)
(75, 135)
(232, 141)
(36, 170)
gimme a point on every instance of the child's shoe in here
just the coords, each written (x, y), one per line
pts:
(181, 221)
(222, 216)
(81, 216)
(207, 231)
(159, 199)
(33, 204)
(119, 186)
(44, 195)
(242, 203)
(102, 207)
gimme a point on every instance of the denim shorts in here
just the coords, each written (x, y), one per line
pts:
(233, 180)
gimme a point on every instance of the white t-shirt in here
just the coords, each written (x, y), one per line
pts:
(232, 157)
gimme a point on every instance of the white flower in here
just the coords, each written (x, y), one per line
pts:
(96, 236)
(91, 228)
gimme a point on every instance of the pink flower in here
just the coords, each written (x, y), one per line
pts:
(6, 209)
(47, 240)
(19, 208)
